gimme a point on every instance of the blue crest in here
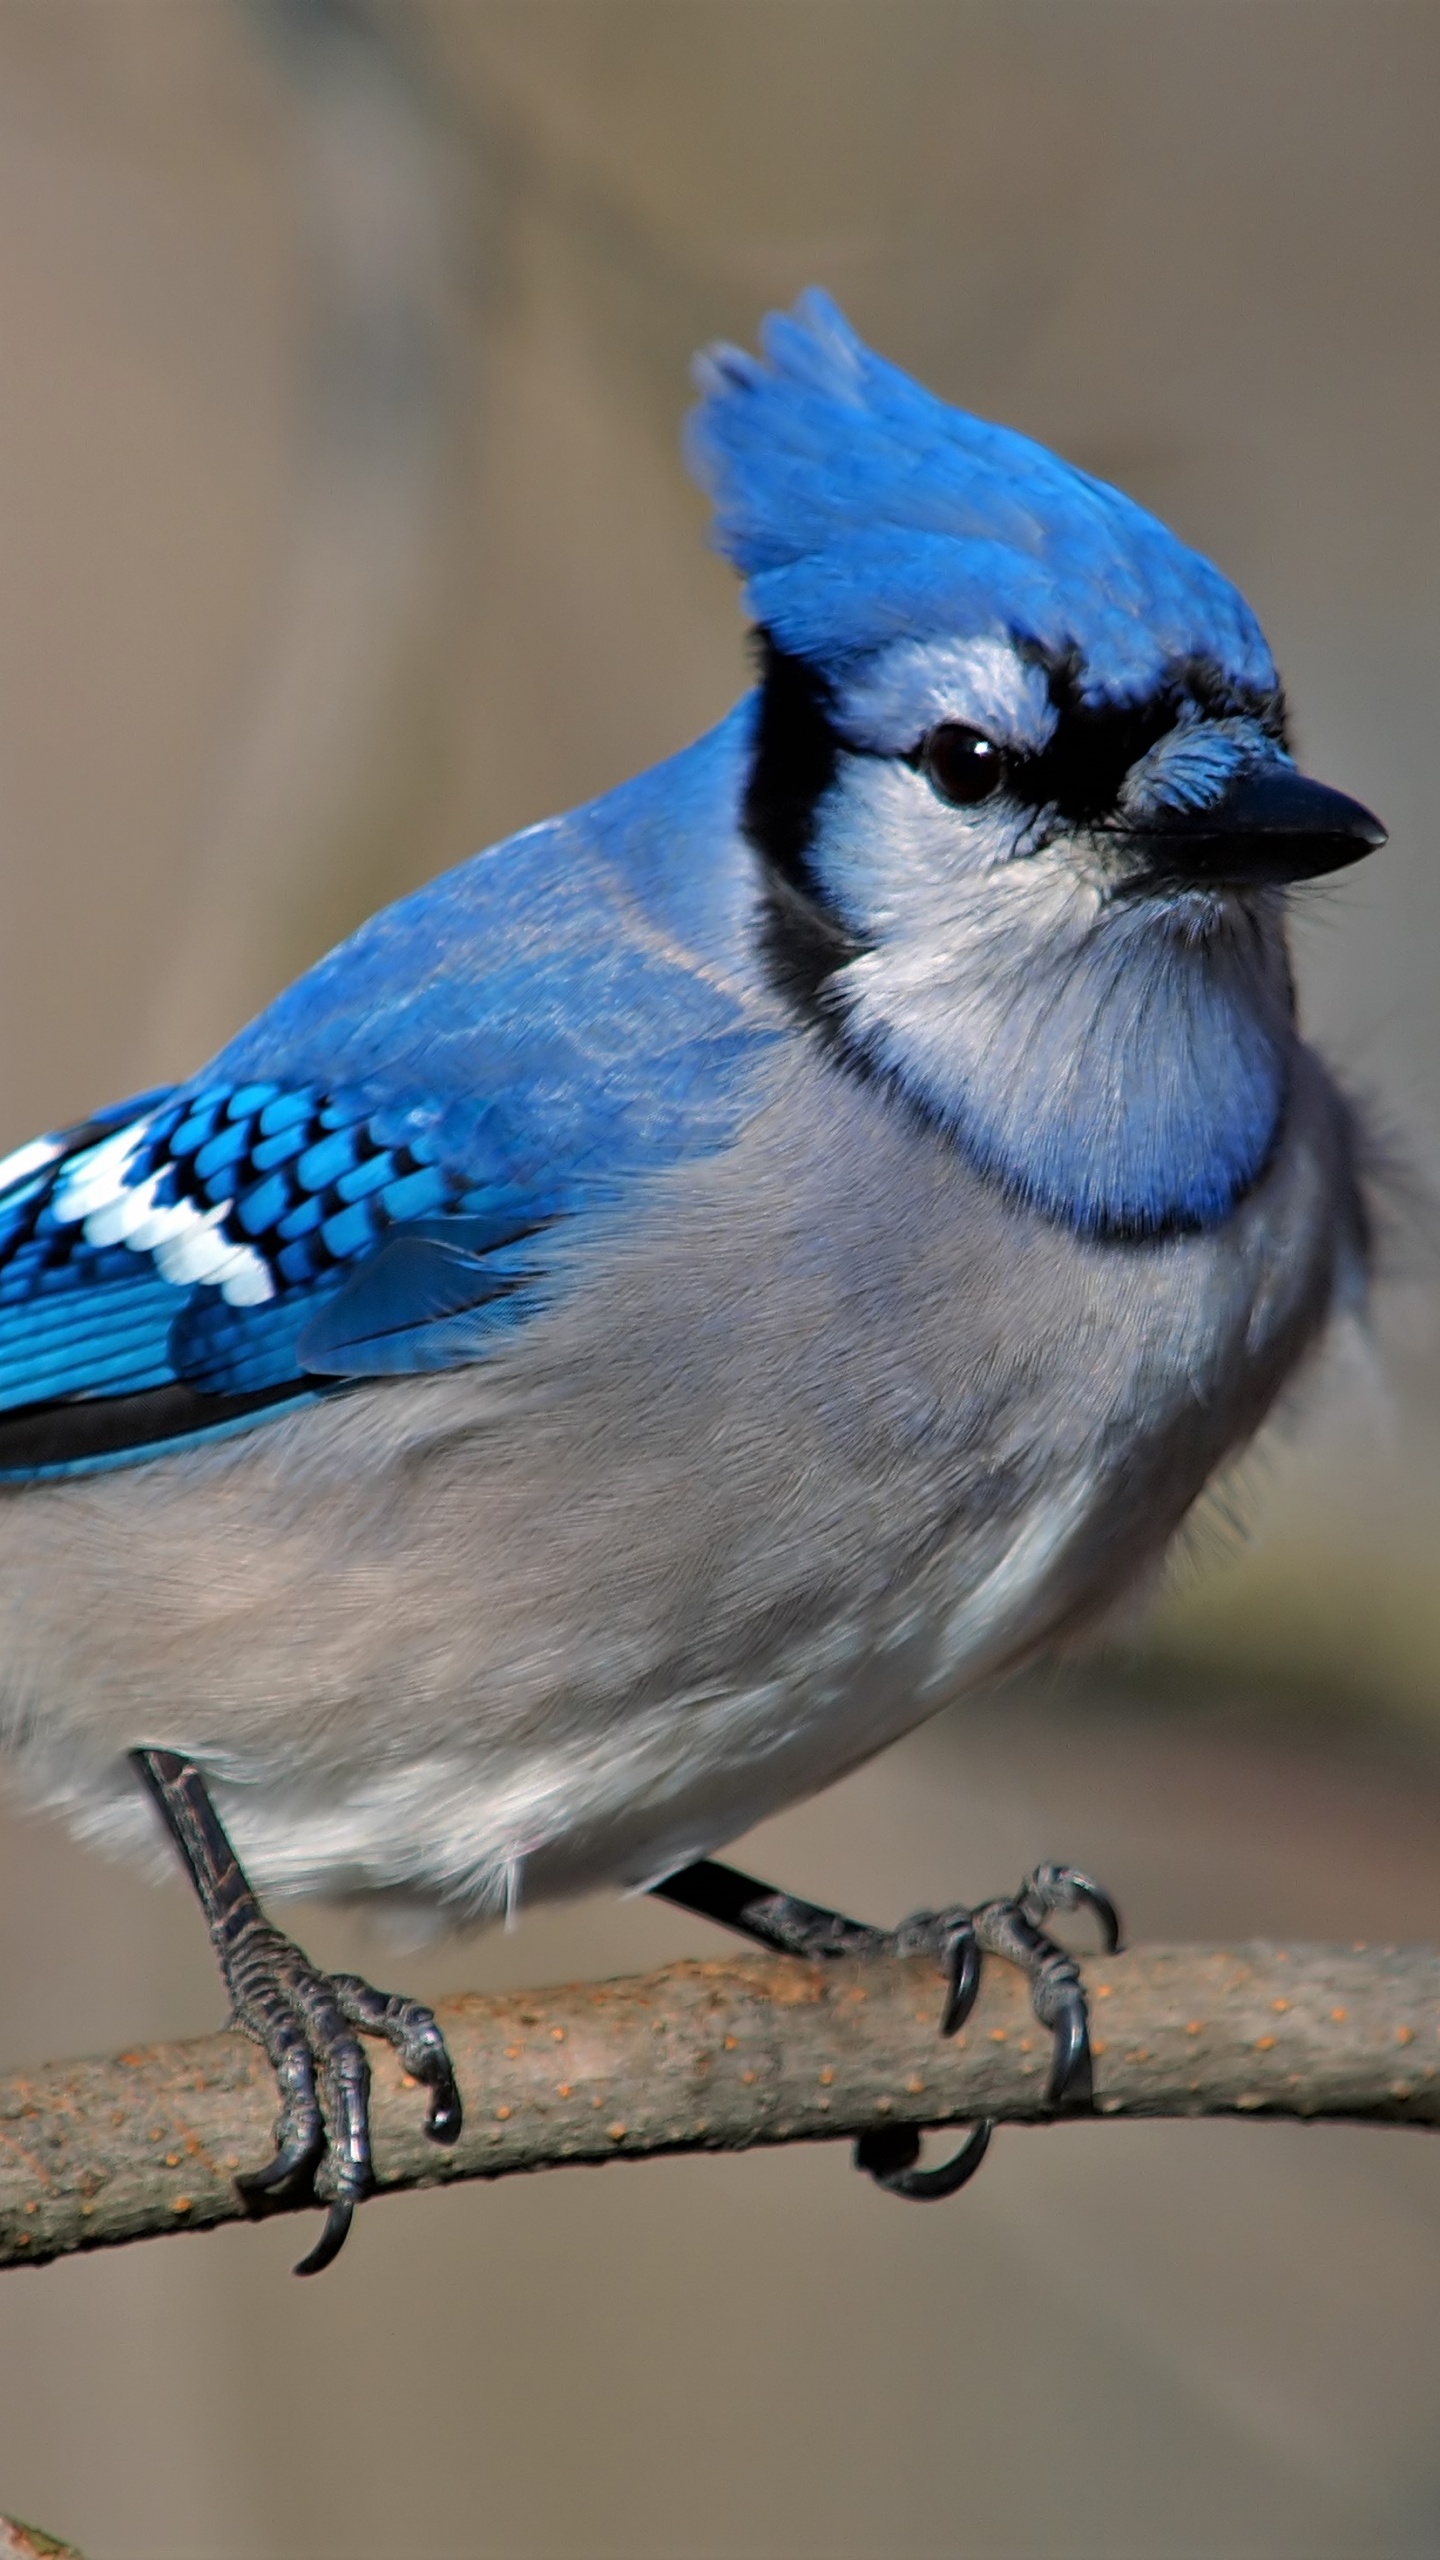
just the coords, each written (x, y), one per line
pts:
(862, 510)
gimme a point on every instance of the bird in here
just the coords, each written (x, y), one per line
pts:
(673, 1302)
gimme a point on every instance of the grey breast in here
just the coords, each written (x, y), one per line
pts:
(808, 1392)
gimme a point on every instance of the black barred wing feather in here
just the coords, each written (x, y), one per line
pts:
(183, 1263)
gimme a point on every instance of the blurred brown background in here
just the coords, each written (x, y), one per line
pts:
(341, 529)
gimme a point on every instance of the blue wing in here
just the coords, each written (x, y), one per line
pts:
(364, 1183)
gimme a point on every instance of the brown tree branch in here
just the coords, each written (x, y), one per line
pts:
(718, 2056)
(28, 2542)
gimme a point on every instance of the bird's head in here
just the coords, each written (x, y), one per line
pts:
(1020, 785)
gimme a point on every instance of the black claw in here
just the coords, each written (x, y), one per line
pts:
(331, 2241)
(1015, 1929)
(292, 2161)
(446, 2118)
(433, 2067)
(889, 2153)
(964, 1983)
(1071, 2078)
(1086, 1890)
(299, 2134)
(412, 2030)
(1054, 1888)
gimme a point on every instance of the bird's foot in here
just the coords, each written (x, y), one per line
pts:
(1014, 1927)
(310, 2024)
(957, 1939)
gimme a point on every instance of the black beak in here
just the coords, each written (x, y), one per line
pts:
(1271, 826)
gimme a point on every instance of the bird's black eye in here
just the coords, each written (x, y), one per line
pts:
(961, 764)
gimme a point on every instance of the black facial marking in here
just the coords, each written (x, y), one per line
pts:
(792, 768)
(793, 764)
(1081, 771)
(1078, 774)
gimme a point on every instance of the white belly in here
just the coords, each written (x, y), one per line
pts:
(477, 1831)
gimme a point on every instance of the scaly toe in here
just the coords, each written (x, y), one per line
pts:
(1014, 1928)
(412, 2030)
(1054, 1888)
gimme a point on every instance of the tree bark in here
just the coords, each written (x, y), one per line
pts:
(720, 2056)
(29, 2542)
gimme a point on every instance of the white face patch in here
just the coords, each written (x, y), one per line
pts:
(188, 1243)
(985, 684)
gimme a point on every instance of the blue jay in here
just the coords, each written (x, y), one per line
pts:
(659, 1310)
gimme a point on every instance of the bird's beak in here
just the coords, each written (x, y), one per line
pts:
(1271, 826)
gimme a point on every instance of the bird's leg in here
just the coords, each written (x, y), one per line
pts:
(305, 2019)
(1013, 1927)
(776, 1920)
